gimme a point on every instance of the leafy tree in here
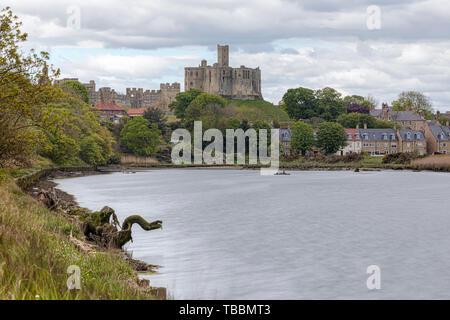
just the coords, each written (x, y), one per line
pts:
(140, 138)
(233, 123)
(158, 117)
(331, 137)
(77, 89)
(61, 149)
(182, 101)
(329, 104)
(414, 100)
(299, 103)
(352, 119)
(91, 151)
(302, 137)
(208, 108)
(357, 103)
(354, 107)
(25, 91)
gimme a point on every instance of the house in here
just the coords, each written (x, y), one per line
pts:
(438, 139)
(411, 119)
(353, 142)
(412, 141)
(137, 112)
(285, 140)
(109, 111)
(379, 141)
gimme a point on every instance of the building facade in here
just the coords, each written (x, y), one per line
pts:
(438, 139)
(379, 141)
(353, 142)
(412, 141)
(109, 111)
(221, 79)
(411, 119)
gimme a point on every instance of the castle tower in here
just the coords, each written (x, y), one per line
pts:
(222, 55)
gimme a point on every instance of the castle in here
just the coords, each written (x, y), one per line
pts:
(220, 78)
(134, 97)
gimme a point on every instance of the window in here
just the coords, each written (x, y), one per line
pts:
(408, 135)
(392, 136)
(385, 137)
(349, 136)
(357, 135)
(366, 136)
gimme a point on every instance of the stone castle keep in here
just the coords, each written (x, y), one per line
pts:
(220, 78)
(134, 97)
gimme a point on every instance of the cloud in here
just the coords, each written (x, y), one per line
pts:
(295, 42)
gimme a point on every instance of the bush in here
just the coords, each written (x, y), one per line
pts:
(401, 157)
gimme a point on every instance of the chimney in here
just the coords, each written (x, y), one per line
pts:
(357, 126)
(447, 123)
(438, 114)
(365, 125)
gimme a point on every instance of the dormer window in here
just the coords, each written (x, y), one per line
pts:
(385, 137)
(392, 136)
(357, 135)
(349, 136)
(408, 135)
(366, 136)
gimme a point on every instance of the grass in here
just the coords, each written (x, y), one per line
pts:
(368, 162)
(35, 252)
(132, 159)
(253, 110)
(435, 162)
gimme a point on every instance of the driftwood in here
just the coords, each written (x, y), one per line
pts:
(102, 226)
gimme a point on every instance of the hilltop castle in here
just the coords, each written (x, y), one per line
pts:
(221, 79)
(134, 97)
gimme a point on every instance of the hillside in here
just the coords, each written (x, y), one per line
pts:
(257, 110)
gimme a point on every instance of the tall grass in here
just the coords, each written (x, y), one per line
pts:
(435, 162)
(132, 159)
(35, 252)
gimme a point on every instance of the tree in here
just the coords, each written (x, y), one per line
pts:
(413, 100)
(61, 148)
(182, 101)
(357, 103)
(353, 119)
(91, 151)
(302, 137)
(299, 103)
(331, 137)
(25, 91)
(158, 117)
(329, 104)
(76, 89)
(208, 108)
(139, 137)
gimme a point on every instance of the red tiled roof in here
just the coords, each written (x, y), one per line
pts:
(136, 112)
(353, 132)
(108, 106)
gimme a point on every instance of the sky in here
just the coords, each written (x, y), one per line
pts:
(378, 48)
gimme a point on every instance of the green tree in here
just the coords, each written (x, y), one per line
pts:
(183, 100)
(91, 151)
(329, 104)
(358, 100)
(331, 137)
(232, 123)
(208, 108)
(158, 117)
(25, 91)
(140, 138)
(414, 100)
(77, 89)
(353, 119)
(299, 103)
(302, 137)
(61, 149)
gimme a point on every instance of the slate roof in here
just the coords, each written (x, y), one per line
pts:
(378, 135)
(397, 115)
(285, 135)
(414, 135)
(375, 112)
(441, 133)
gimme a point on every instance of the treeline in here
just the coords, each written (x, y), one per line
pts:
(38, 118)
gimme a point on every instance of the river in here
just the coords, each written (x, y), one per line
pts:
(234, 234)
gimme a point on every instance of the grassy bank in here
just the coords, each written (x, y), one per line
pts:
(253, 110)
(36, 250)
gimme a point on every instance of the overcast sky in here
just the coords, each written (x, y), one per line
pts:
(306, 43)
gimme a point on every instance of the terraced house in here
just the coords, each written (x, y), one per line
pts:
(412, 141)
(438, 139)
(379, 141)
(353, 142)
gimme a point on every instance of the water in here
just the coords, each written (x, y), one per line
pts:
(233, 234)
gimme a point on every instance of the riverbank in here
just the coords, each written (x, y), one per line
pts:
(38, 245)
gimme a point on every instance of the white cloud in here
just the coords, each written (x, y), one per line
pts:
(295, 42)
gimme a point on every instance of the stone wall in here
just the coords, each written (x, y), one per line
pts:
(220, 78)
